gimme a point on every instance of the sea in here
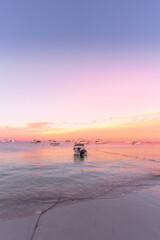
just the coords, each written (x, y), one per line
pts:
(35, 176)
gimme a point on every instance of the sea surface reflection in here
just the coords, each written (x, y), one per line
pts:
(32, 176)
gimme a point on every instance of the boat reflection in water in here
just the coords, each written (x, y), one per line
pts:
(78, 159)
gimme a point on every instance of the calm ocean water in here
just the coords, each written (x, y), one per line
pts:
(33, 176)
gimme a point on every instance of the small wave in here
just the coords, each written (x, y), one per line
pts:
(129, 156)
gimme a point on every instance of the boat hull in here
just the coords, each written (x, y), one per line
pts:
(80, 153)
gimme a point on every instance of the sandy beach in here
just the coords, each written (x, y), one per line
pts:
(131, 217)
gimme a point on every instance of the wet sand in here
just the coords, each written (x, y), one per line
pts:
(130, 217)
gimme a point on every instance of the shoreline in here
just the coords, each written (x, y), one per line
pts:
(134, 216)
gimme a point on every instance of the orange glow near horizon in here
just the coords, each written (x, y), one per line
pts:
(111, 94)
(145, 127)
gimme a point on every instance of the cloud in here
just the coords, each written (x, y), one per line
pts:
(143, 126)
(79, 123)
(99, 120)
(39, 124)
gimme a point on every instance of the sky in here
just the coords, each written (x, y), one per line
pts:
(71, 69)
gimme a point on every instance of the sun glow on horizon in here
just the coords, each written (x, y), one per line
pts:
(144, 127)
(109, 98)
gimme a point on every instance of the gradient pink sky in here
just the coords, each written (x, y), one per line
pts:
(71, 93)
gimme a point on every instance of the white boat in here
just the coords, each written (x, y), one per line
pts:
(100, 141)
(79, 149)
(35, 141)
(83, 141)
(5, 140)
(54, 143)
(136, 143)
